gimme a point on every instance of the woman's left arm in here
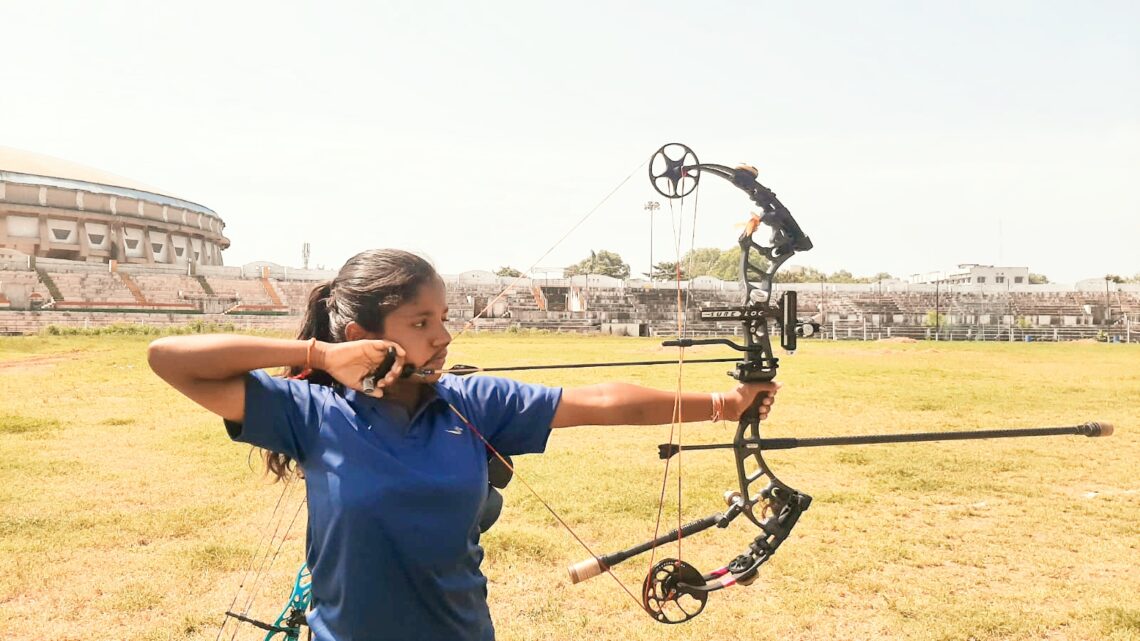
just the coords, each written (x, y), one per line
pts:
(626, 404)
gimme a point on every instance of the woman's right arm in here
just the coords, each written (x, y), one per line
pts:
(210, 369)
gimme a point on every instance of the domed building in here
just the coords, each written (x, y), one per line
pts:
(53, 208)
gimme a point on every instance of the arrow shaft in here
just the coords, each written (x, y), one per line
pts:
(463, 369)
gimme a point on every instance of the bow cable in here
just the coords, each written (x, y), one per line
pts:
(557, 517)
(264, 554)
(469, 323)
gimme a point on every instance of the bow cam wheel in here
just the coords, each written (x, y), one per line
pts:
(669, 593)
(672, 170)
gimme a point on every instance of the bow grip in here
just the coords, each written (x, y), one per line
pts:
(751, 414)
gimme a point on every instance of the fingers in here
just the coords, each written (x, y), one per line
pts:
(766, 404)
(748, 393)
(769, 393)
(397, 368)
(383, 363)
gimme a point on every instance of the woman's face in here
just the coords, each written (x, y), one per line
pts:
(418, 327)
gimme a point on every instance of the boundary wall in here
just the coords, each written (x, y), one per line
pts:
(36, 293)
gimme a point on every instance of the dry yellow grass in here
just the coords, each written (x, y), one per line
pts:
(125, 512)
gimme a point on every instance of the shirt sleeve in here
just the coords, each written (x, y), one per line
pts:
(281, 415)
(514, 417)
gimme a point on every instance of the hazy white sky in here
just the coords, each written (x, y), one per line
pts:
(904, 136)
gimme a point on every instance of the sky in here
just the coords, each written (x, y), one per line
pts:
(905, 137)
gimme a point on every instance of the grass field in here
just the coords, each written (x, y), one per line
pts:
(126, 513)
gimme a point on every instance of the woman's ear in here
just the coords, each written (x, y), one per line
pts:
(354, 332)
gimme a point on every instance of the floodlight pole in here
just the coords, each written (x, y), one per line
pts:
(1009, 308)
(937, 310)
(1107, 303)
(652, 207)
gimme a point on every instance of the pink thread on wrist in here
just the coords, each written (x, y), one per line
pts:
(717, 407)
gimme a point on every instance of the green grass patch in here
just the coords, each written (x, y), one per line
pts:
(17, 424)
(125, 509)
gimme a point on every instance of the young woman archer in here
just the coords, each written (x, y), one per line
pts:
(394, 481)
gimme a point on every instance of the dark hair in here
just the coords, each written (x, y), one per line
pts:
(370, 286)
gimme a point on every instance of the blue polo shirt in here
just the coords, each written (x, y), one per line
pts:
(394, 500)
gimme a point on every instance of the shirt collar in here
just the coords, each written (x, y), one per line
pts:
(392, 413)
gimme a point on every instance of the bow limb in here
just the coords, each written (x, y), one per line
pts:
(288, 624)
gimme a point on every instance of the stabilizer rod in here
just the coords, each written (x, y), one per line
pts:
(594, 566)
(1090, 429)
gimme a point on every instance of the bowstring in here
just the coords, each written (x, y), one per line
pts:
(677, 397)
(683, 297)
(267, 550)
(470, 323)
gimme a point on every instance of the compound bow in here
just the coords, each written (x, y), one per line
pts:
(673, 590)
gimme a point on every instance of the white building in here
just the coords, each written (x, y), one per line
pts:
(973, 274)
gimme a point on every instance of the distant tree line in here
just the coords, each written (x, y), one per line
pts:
(725, 265)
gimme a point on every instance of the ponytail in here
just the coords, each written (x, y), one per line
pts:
(315, 324)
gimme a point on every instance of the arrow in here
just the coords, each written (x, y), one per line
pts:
(369, 383)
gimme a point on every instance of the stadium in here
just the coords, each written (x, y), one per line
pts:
(81, 247)
(57, 209)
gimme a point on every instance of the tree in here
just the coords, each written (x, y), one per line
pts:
(934, 319)
(800, 275)
(667, 271)
(725, 265)
(509, 272)
(1038, 279)
(842, 276)
(718, 263)
(700, 262)
(605, 263)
